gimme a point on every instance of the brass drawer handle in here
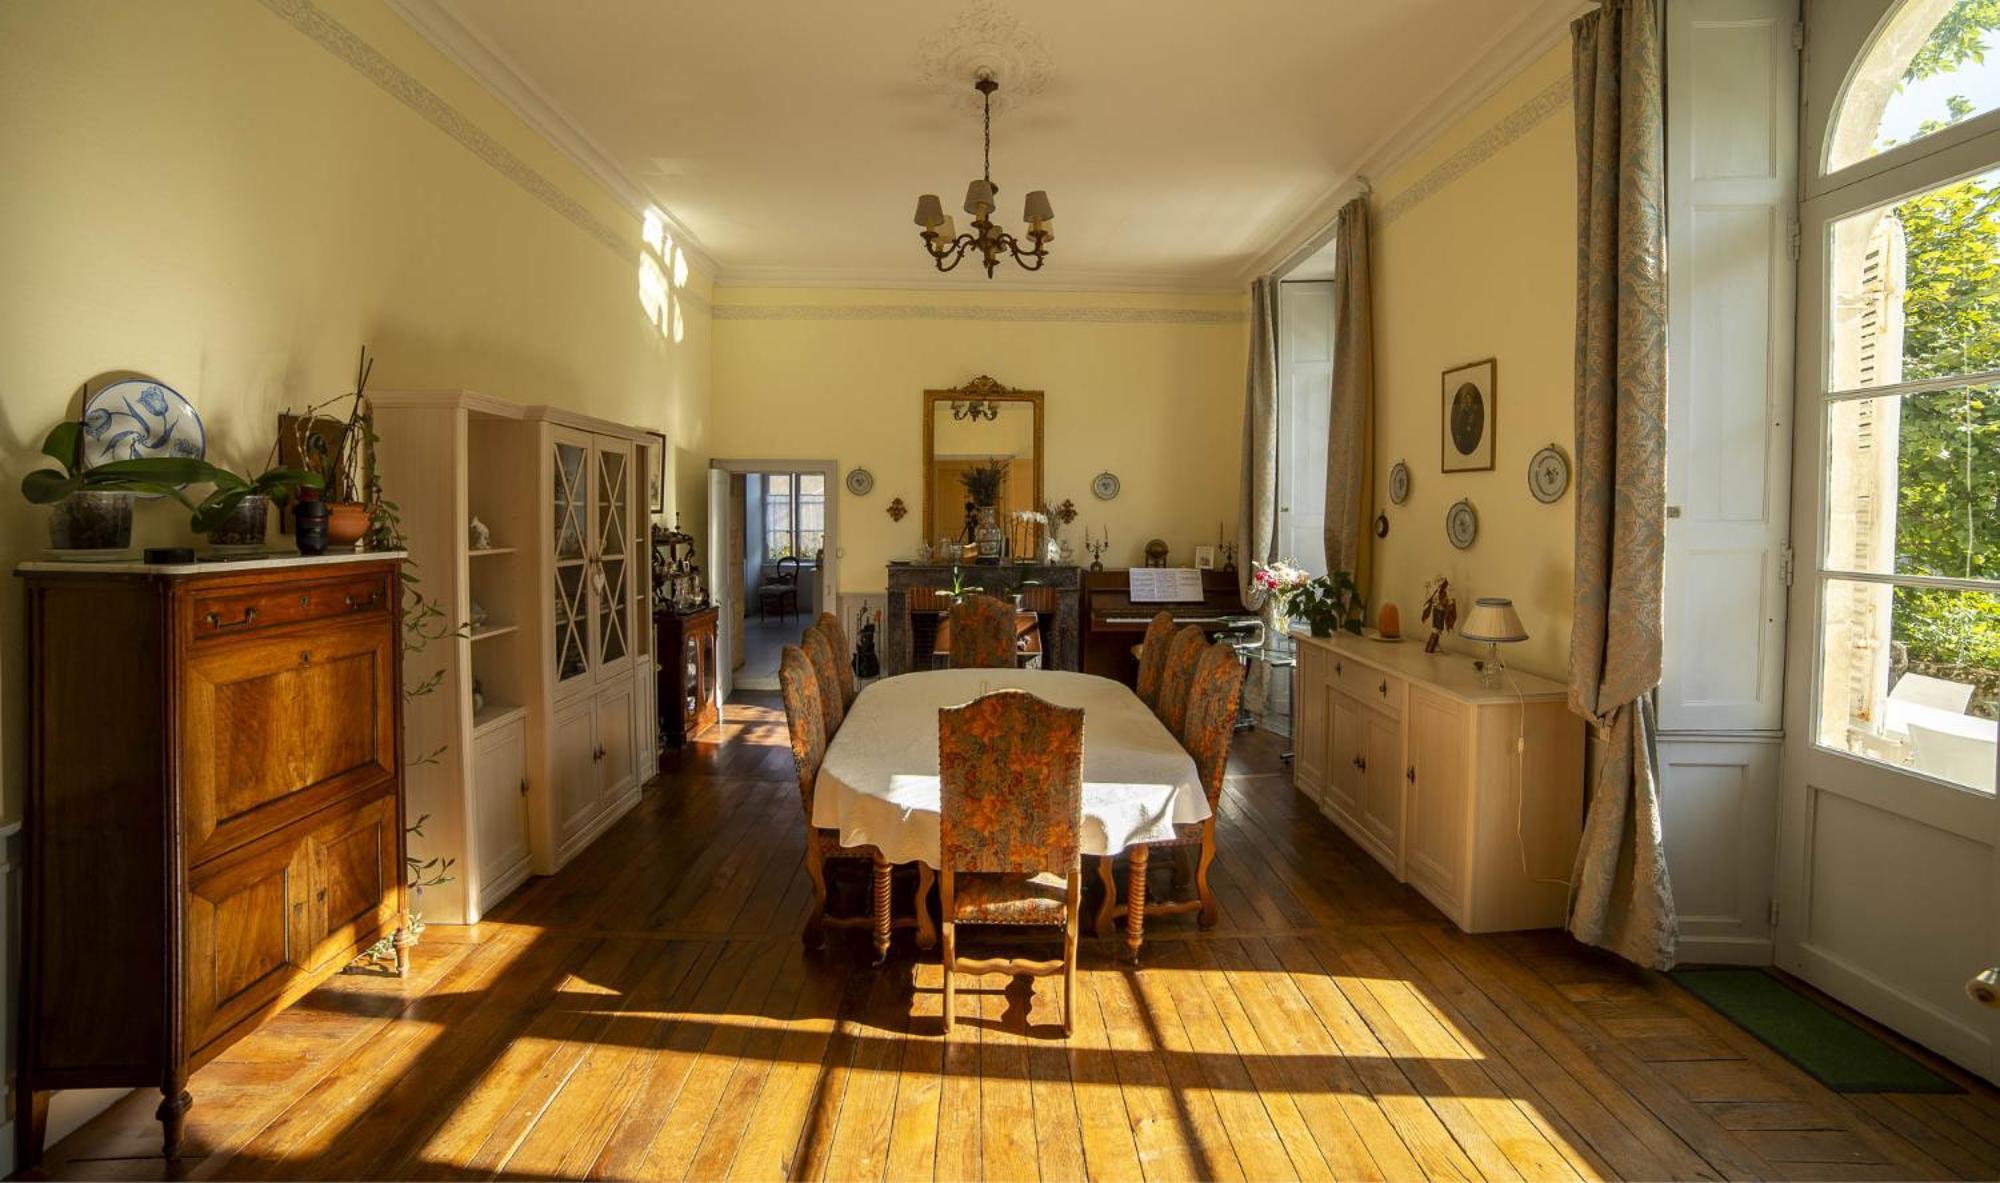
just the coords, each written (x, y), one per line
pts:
(215, 619)
(1384, 688)
(1336, 667)
(524, 786)
(1411, 775)
(348, 599)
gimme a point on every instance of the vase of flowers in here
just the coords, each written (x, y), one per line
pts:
(1277, 581)
(1326, 603)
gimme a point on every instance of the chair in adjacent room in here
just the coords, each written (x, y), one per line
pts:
(982, 633)
(780, 589)
(1010, 769)
(843, 656)
(805, 718)
(833, 704)
(1215, 692)
(1177, 676)
(1153, 657)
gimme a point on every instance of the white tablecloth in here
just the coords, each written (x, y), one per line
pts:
(879, 782)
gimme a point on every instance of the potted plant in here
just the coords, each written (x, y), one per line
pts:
(1327, 603)
(338, 446)
(982, 487)
(91, 508)
(235, 511)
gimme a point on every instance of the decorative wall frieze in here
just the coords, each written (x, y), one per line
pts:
(1018, 314)
(1546, 103)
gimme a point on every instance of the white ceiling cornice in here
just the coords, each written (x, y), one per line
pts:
(1530, 38)
(505, 82)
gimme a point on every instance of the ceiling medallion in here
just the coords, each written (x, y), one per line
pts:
(984, 41)
(948, 248)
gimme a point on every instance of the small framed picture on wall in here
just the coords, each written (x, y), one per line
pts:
(1204, 558)
(656, 472)
(1468, 418)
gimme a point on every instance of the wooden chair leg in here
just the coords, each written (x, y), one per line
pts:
(881, 915)
(926, 932)
(1135, 902)
(1069, 954)
(1107, 913)
(949, 961)
(814, 933)
(1206, 919)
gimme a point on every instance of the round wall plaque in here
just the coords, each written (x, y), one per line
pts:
(1461, 523)
(1399, 483)
(1548, 475)
(1105, 486)
(860, 482)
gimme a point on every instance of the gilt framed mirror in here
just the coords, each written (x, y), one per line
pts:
(971, 431)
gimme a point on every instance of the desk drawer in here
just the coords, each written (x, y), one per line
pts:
(223, 612)
(1364, 683)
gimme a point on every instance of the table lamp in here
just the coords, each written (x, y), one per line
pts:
(1494, 621)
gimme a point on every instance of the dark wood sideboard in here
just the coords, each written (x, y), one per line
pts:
(918, 595)
(214, 813)
(688, 674)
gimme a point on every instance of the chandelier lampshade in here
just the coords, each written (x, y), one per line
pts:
(948, 248)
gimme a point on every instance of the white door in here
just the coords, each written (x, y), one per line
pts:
(1305, 404)
(720, 563)
(578, 791)
(500, 791)
(1889, 882)
(616, 754)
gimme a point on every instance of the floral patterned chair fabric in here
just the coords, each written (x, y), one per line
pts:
(805, 719)
(1214, 694)
(1153, 657)
(843, 655)
(982, 633)
(1177, 676)
(820, 651)
(1010, 771)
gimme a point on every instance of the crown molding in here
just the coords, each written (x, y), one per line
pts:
(1512, 52)
(495, 73)
(928, 279)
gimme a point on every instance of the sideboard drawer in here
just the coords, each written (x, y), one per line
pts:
(1364, 683)
(276, 727)
(233, 611)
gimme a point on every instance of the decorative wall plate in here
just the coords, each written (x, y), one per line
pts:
(138, 419)
(1105, 486)
(860, 482)
(1461, 523)
(1548, 474)
(1399, 483)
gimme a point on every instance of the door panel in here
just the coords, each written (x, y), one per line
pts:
(354, 875)
(612, 581)
(569, 509)
(577, 790)
(1383, 781)
(1435, 843)
(499, 788)
(248, 932)
(1719, 801)
(617, 759)
(1343, 772)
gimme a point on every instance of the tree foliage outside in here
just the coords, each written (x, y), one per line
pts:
(1948, 499)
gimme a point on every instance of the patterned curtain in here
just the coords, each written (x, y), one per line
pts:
(1350, 433)
(1257, 523)
(1622, 900)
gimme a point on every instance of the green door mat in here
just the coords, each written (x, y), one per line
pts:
(1839, 1054)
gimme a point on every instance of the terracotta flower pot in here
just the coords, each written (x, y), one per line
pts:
(346, 522)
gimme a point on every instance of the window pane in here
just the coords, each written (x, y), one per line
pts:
(778, 517)
(1911, 677)
(1913, 484)
(1916, 287)
(812, 514)
(1928, 68)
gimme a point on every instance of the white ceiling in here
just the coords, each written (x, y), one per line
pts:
(1183, 143)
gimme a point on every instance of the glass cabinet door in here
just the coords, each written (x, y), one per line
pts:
(613, 513)
(572, 559)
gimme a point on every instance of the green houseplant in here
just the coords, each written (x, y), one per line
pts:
(91, 508)
(1327, 603)
(234, 512)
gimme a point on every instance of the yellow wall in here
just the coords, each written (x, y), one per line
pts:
(1149, 387)
(1478, 260)
(202, 192)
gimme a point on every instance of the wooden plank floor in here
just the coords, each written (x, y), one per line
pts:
(650, 1013)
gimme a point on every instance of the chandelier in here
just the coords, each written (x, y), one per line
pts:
(975, 410)
(948, 248)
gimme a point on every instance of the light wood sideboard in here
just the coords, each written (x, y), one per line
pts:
(1470, 794)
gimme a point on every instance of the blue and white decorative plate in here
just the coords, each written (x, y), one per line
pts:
(139, 419)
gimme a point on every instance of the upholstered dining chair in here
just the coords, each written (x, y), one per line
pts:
(1177, 676)
(1153, 657)
(1010, 769)
(806, 720)
(982, 633)
(1215, 692)
(819, 650)
(843, 657)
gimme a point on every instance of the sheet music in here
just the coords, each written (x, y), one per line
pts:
(1165, 585)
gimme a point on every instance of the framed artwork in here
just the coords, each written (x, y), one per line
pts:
(1466, 443)
(656, 472)
(1204, 558)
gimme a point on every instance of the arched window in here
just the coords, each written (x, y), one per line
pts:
(1926, 68)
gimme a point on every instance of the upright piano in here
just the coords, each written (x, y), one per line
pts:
(1113, 624)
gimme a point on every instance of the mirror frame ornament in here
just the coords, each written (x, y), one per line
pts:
(983, 387)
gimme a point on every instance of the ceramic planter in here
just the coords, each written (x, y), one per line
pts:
(243, 525)
(346, 522)
(91, 520)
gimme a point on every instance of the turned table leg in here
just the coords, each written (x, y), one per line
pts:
(174, 1105)
(881, 914)
(1135, 902)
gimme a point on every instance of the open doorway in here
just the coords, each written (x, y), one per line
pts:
(774, 561)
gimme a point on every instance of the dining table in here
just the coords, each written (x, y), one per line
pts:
(878, 784)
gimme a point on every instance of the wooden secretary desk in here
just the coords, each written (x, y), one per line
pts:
(214, 813)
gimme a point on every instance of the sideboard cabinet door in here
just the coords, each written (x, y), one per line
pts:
(248, 933)
(1438, 804)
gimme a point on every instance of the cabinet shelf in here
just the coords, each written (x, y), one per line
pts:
(493, 630)
(493, 714)
(489, 550)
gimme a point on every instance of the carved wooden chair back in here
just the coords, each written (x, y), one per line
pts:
(982, 633)
(843, 656)
(1153, 656)
(1211, 715)
(819, 651)
(805, 718)
(1177, 677)
(1010, 771)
